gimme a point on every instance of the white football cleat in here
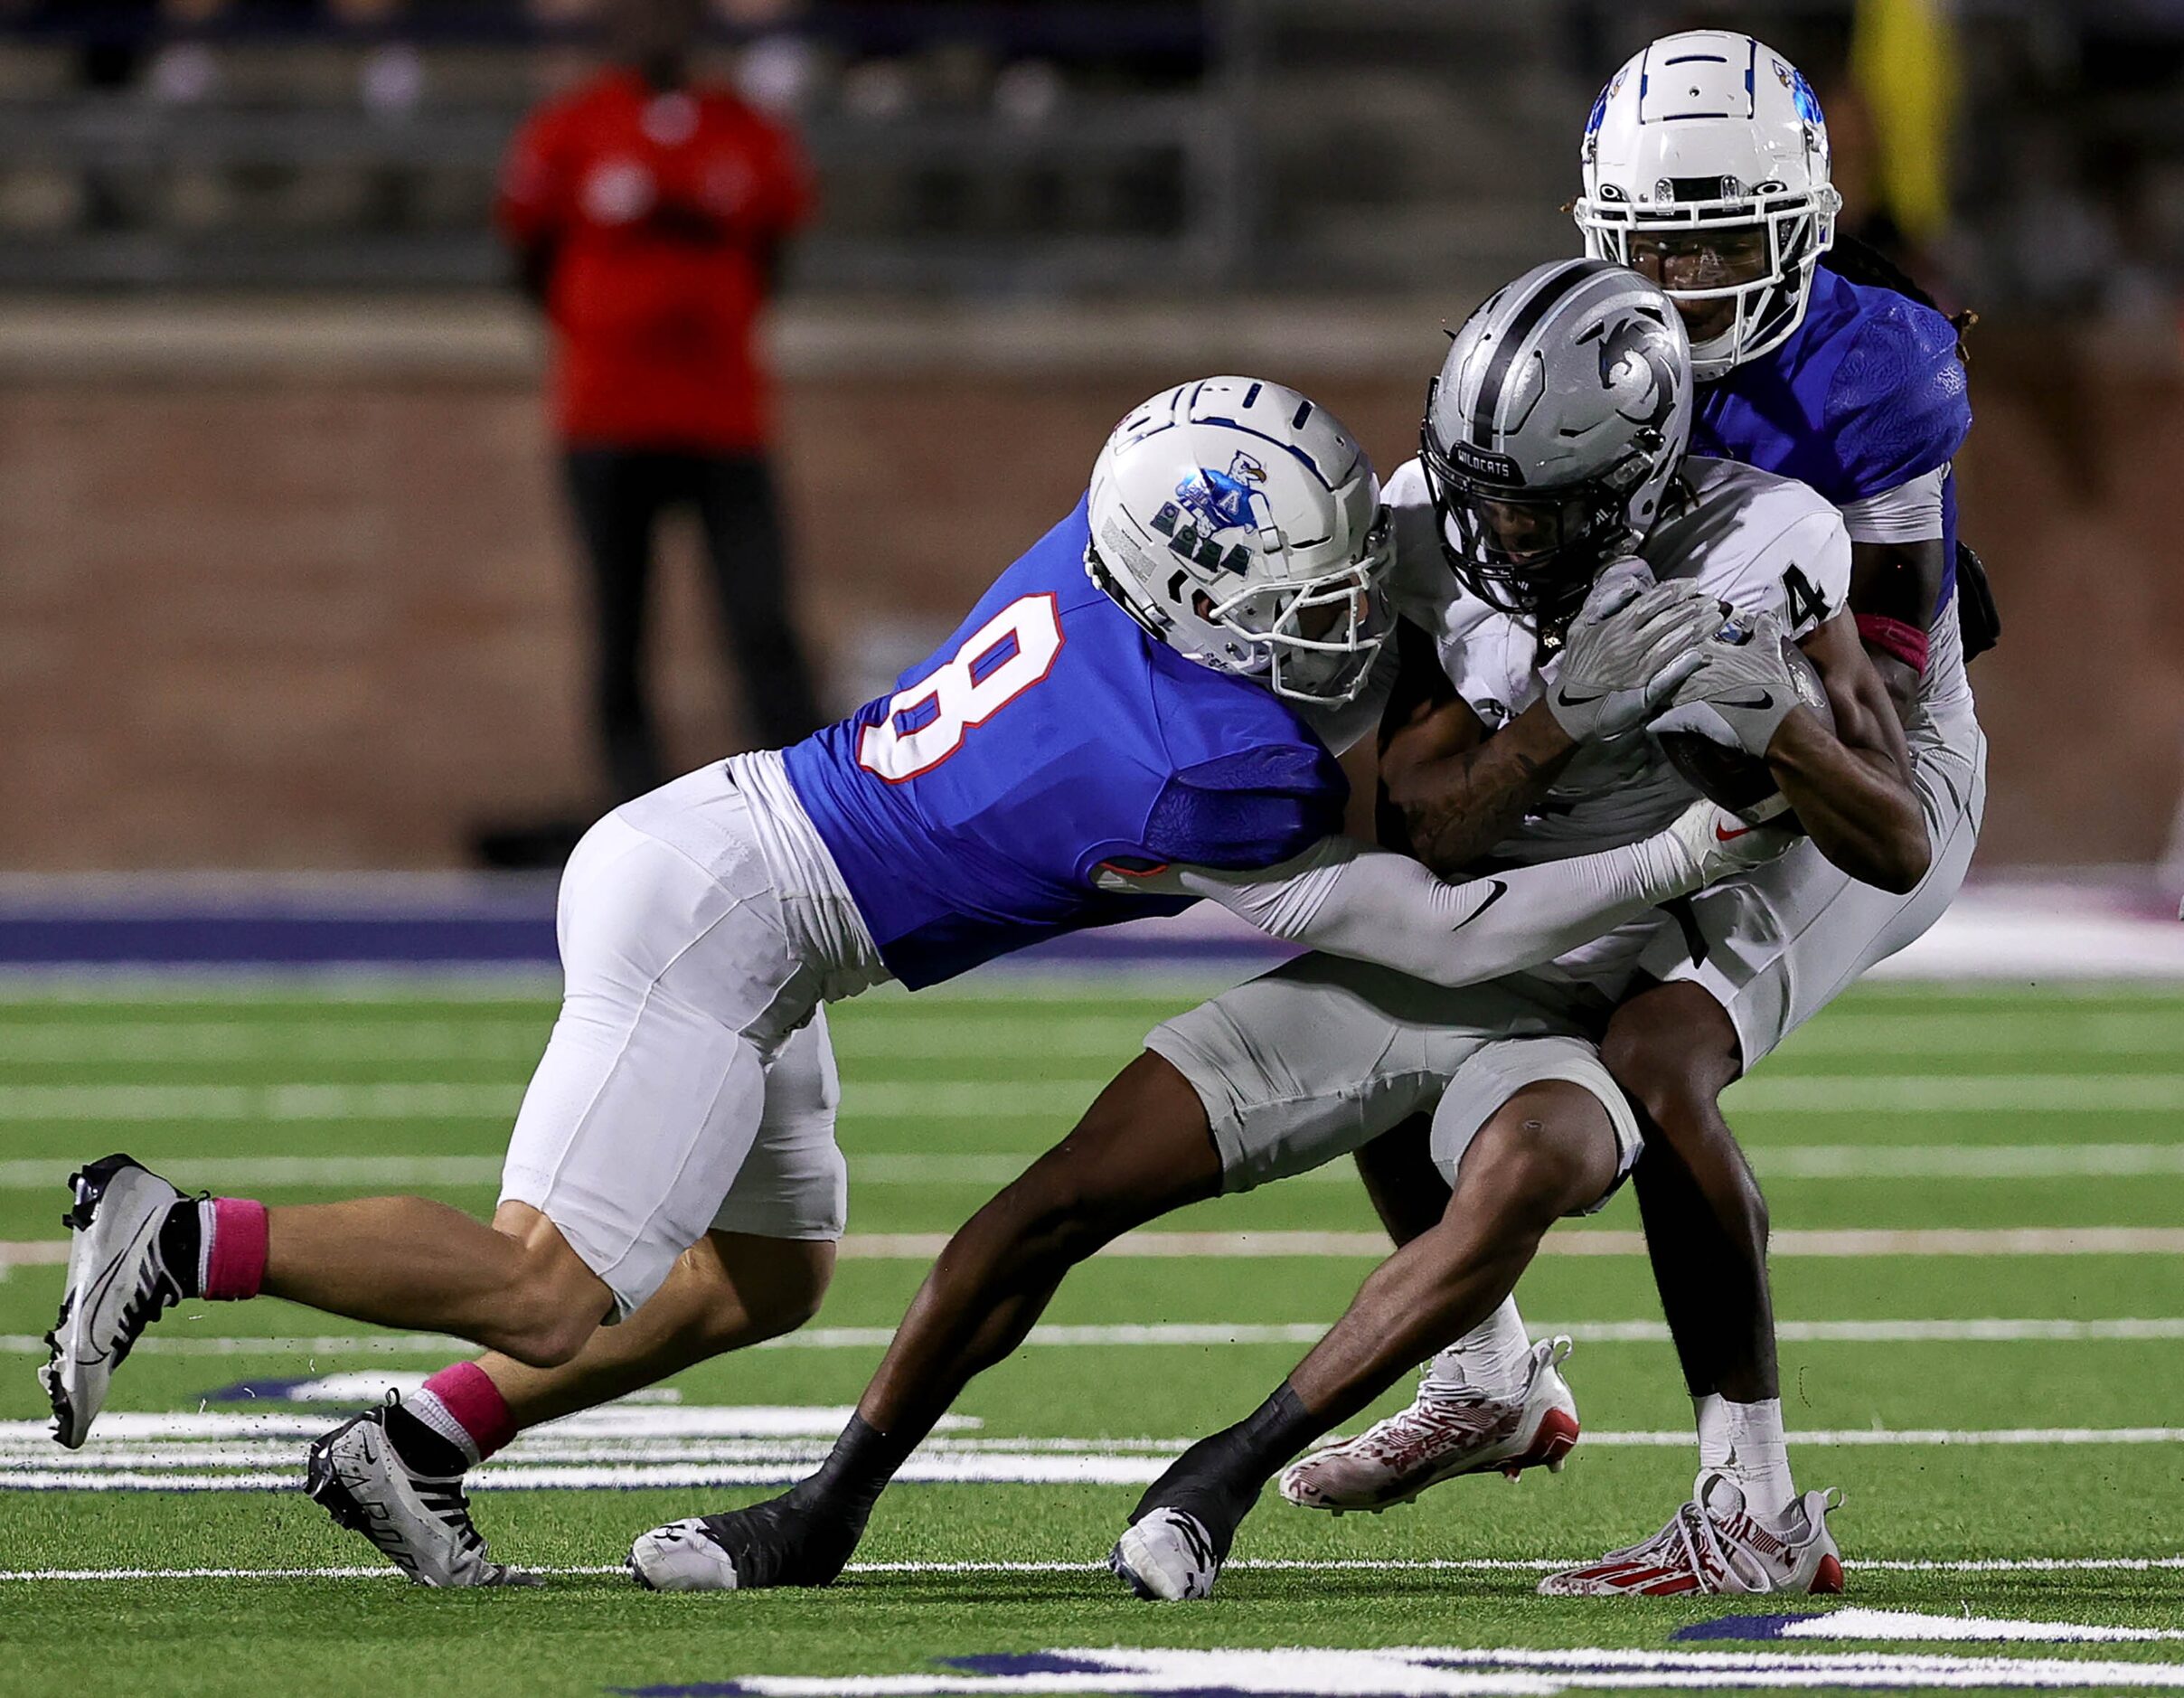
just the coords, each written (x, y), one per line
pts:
(1713, 1545)
(117, 1285)
(1447, 1430)
(420, 1523)
(682, 1557)
(1166, 1554)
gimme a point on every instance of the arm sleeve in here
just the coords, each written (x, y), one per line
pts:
(1350, 899)
(1909, 512)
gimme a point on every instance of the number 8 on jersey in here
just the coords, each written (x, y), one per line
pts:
(998, 662)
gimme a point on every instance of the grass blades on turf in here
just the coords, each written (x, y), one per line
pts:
(1900, 1108)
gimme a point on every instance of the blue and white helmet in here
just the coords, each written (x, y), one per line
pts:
(1242, 525)
(1710, 133)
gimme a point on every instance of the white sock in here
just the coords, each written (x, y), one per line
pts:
(1494, 1356)
(1746, 1442)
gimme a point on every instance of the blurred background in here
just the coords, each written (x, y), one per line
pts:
(287, 573)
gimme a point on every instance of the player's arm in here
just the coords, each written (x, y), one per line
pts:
(1850, 787)
(1346, 898)
(1853, 789)
(1456, 791)
(1449, 789)
(1897, 565)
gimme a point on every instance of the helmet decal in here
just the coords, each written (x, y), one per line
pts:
(1222, 500)
(1256, 546)
(1801, 92)
(1631, 350)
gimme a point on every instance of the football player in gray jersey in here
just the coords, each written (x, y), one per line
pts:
(1307, 1064)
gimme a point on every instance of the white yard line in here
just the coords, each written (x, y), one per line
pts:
(1202, 1335)
(1889, 1032)
(960, 1099)
(1858, 1243)
(883, 1033)
(1846, 1162)
(1277, 1565)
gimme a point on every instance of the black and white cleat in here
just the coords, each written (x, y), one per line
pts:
(682, 1556)
(420, 1523)
(1168, 1555)
(117, 1285)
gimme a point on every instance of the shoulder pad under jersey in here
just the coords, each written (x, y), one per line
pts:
(1898, 405)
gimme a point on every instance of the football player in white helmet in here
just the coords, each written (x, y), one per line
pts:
(1705, 166)
(1556, 438)
(1143, 710)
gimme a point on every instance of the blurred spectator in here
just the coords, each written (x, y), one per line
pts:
(649, 213)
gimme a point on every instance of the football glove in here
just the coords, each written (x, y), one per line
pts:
(1740, 691)
(1632, 643)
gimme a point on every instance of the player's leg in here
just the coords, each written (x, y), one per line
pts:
(748, 554)
(616, 496)
(1495, 1363)
(1554, 1146)
(640, 1112)
(727, 1292)
(1282, 1074)
(1141, 1150)
(760, 1271)
(1774, 947)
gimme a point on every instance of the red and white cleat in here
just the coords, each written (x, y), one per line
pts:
(1447, 1430)
(1712, 1545)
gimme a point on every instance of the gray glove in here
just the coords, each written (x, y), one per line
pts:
(1633, 642)
(1741, 691)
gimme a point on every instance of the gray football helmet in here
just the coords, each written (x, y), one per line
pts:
(1554, 432)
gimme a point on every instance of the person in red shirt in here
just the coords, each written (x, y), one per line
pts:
(649, 213)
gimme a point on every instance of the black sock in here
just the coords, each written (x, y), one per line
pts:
(855, 1472)
(422, 1449)
(1218, 1479)
(182, 1244)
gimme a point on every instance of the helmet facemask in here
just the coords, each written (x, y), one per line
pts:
(1533, 552)
(1767, 292)
(1311, 640)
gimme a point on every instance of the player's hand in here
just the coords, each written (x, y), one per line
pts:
(1720, 845)
(1740, 691)
(1631, 644)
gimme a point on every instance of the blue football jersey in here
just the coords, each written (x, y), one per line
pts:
(1867, 393)
(969, 811)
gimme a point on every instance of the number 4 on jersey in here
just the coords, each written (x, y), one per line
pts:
(998, 662)
(1808, 607)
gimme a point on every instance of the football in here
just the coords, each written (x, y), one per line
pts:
(1734, 779)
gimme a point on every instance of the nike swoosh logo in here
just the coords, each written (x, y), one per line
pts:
(1565, 699)
(1762, 700)
(1499, 891)
(1731, 836)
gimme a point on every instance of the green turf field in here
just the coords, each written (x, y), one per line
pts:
(1934, 1158)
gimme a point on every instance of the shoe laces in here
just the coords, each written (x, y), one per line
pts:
(447, 1498)
(156, 1292)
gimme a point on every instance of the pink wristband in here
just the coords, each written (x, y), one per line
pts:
(1899, 637)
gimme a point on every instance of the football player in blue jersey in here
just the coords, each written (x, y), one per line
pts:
(1143, 711)
(1553, 454)
(1706, 168)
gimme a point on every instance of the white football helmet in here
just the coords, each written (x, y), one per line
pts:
(1242, 525)
(1553, 433)
(1703, 138)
